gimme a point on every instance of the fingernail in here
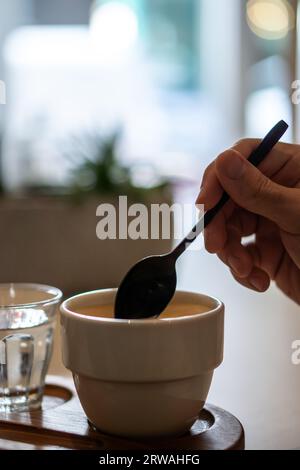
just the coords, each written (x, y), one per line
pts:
(233, 167)
(235, 263)
(257, 282)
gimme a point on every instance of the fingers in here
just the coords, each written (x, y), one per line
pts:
(246, 222)
(211, 190)
(292, 244)
(278, 159)
(258, 280)
(255, 264)
(245, 266)
(252, 190)
(226, 225)
(283, 157)
(270, 194)
(215, 236)
(233, 253)
(282, 165)
(289, 173)
(237, 258)
(268, 247)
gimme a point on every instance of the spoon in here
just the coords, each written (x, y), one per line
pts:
(150, 284)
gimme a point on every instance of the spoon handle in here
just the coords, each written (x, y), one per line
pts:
(256, 157)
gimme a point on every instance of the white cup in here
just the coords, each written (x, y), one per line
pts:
(142, 378)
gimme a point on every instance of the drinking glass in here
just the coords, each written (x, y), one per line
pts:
(27, 323)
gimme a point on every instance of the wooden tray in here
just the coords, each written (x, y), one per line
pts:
(62, 424)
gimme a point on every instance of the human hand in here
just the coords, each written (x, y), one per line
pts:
(265, 202)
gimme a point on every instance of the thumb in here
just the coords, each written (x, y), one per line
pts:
(252, 190)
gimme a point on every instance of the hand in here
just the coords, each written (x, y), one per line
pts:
(265, 202)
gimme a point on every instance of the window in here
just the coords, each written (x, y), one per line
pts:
(171, 36)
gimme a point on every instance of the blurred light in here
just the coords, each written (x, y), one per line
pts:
(114, 29)
(265, 107)
(270, 19)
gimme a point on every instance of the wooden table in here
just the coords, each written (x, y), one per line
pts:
(61, 424)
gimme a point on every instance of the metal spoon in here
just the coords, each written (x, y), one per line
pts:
(150, 284)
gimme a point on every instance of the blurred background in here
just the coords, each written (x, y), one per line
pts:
(136, 97)
(182, 78)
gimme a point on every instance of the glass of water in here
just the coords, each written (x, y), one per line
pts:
(27, 323)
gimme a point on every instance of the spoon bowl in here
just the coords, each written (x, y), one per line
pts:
(147, 288)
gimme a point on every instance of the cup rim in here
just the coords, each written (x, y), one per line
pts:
(150, 321)
(57, 294)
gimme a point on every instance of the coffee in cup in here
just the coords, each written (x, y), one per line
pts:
(173, 310)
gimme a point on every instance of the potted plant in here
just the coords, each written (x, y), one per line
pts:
(48, 235)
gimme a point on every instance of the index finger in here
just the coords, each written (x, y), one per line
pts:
(211, 190)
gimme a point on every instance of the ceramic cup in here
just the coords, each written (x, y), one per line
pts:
(142, 378)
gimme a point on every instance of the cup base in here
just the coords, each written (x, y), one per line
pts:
(143, 410)
(215, 429)
(18, 400)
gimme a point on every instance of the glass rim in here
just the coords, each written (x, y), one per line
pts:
(57, 294)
